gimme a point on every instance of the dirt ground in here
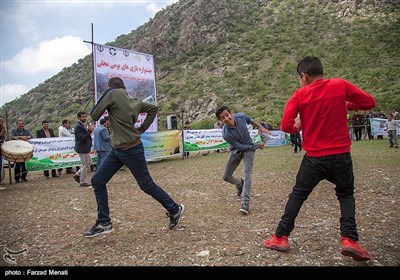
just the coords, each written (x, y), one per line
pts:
(48, 217)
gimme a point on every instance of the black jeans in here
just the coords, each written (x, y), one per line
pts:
(338, 169)
(19, 171)
(297, 142)
(53, 173)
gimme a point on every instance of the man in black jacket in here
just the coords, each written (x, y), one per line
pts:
(46, 132)
(83, 146)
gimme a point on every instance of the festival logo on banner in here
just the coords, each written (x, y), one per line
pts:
(134, 68)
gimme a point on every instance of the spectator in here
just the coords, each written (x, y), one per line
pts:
(186, 127)
(295, 138)
(83, 146)
(218, 125)
(369, 115)
(390, 127)
(20, 133)
(380, 115)
(46, 132)
(270, 126)
(357, 123)
(65, 130)
(263, 124)
(395, 114)
(102, 141)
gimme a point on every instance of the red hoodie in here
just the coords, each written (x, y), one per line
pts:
(322, 107)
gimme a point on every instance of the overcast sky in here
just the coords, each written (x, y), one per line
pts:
(39, 38)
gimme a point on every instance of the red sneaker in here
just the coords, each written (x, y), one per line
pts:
(275, 243)
(351, 248)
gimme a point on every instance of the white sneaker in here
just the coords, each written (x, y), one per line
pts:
(2, 188)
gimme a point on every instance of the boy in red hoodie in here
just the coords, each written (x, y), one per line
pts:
(322, 105)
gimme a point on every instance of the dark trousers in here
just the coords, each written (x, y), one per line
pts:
(358, 133)
(53, 173)
(297, 142)
(68, 170)
(19, 171)
(337, 169)
(135, 160)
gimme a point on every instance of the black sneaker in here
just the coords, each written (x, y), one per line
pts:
(98, 229)
(244, 208)
(174, 219)
(240, 189)
(77, 178)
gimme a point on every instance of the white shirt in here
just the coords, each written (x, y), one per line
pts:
(65, 132)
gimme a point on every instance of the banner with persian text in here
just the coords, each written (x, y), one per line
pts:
(134, 68)
(58, 152)
(211, 139)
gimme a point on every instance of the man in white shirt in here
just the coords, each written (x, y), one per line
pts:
(65, 130)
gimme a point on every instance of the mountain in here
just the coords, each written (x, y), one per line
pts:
(239, 53)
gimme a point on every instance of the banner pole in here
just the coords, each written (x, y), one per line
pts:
(6, 137)
(92, 87)
(93, 72)
(183, 138)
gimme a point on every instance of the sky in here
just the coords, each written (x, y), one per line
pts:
(39, 38)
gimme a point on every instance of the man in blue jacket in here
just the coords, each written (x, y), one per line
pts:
(102, 141)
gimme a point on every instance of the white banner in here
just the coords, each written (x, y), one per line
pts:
(211, 139)
(378, 127)
(134, 68)
(53, 153)
(58, 152)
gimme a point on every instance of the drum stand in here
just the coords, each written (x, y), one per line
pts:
(9, 172)
(3, 172)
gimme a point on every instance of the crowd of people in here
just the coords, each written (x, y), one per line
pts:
(360, 123)
(326, 143)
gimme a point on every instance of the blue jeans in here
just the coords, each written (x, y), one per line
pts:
(135, 160)
(233, 162)
(337, 169)
(101, 155)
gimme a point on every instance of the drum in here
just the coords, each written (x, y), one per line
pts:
(17, 151)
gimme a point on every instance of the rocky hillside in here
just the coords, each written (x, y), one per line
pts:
(241, 53)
